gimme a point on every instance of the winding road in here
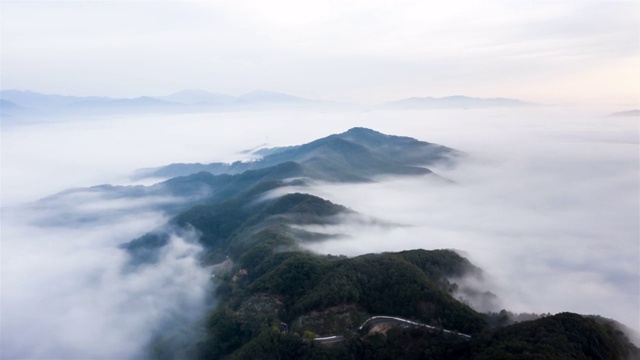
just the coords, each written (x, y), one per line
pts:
(379, 320)
(329, 339)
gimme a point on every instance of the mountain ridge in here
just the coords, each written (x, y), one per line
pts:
(194, 100)
(354, 153)
(183, 100)
(628, 113)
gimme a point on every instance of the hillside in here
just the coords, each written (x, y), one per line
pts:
(333, 295)
(273, 299)
(629, 113)
(355, 155)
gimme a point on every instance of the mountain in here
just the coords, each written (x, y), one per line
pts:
(34, 100)
(45, 104)
(453, 102)
(8, 105)
(630, 113)
(190, 100)
(274, 300)
(181, 101)
(356, 155)
(555, 337)
(236, 225)
(18, 106)
(8, 108)
(270, 280)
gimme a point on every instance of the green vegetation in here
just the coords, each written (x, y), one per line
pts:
(354, 155)
(274, 282)
(562, 336)
(292, 286)
(232, 227)
(274, 298)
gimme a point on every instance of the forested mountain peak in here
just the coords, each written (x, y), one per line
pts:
(333, 157)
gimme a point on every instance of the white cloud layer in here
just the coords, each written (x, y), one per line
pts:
(546, 203)
(550, 237)
(67, 292)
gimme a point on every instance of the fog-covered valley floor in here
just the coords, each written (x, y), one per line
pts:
(546, 202)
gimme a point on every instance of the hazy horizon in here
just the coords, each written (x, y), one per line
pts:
(569, 52)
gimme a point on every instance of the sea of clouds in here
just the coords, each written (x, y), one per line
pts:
(546, 202)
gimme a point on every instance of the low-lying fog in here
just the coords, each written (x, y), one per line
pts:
(546, 203)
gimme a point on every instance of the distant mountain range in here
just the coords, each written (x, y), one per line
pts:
(6, 105)
(24, 102)
(181, 101)
(630, 113)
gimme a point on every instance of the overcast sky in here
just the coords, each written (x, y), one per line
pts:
(361, 51)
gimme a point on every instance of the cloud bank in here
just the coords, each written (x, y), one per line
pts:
(67, 292)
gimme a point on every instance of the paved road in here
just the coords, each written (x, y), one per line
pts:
(329, 339)
(378, 320)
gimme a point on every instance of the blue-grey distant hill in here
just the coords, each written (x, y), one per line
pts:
(453, 102)
(630, 113)
(48, 104)
(6, 104)
(12, 113)
(31, 99)
(196, 100)
(182, 101)
(356, 155)
(7, 107)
